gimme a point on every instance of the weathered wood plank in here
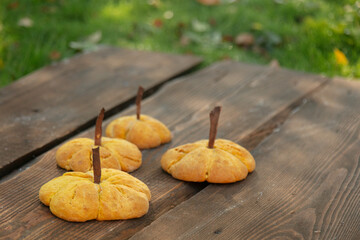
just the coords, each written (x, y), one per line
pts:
(250, 95)
(306, 185)
(51, 103)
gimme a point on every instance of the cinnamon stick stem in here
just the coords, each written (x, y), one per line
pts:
(98, 128)
(96, 164)
(214, 119)
(96, 149)
(138, 101)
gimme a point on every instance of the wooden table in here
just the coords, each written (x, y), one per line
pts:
(302, 129)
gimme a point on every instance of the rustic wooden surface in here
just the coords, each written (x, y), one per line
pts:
(306, 184)
(255, 99)
(47, 106)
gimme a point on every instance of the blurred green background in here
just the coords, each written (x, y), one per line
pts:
(321, 36)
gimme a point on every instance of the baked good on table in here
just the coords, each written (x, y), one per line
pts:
(142, 130)
(214, 161)
(103, 194)
(75, 197)
(114, 153)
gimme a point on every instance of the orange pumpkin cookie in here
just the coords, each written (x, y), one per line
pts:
(142, 130)
(114, 153)
(220, 161)
(79, 197)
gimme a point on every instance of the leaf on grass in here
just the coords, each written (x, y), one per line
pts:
(90, 43)
(227, 38)
(95, 37)
(25, 22)
(13, 5)
(209, 2)
(54, 55)
(194, 37)
(245, 40)
(168, 14)
(212, 21)
(207, 39)
(200, 26)
(158, 23)
(340, 57)
(154, 3)
(257, 26)
(1, 64)
(49, 9)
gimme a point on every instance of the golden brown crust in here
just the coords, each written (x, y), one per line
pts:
(114, 153)
(75, 197)
(144, 133)
(227, 162)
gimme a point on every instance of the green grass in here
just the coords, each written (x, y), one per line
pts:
(300, 34)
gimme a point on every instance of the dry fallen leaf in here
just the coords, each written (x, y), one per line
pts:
(25, 22)
(54, 55)
(168, 14)
(90, 43)
(158, 23)
(199, 26)
(154, 3)
(227, 38)
(212, 21)
(340, 57)
(13, 5)
(209, 2)
(95, 37)
(245, 40)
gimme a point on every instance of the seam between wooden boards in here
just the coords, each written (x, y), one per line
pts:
(12, 168)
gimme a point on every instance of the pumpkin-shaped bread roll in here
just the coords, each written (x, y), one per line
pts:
(145, 132)
(142, 130)
(75, 197)
(114, 153)
(214, 161)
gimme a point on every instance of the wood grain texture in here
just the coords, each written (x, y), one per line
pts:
(55, 101)
(306, 184)
(250, 96)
